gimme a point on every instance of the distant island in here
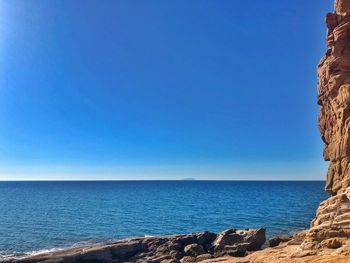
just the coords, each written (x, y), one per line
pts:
(188, 179)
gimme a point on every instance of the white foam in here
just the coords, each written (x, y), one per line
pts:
(18, 255)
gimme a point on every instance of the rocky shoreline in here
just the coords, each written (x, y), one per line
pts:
(328, 239)
(193, 247)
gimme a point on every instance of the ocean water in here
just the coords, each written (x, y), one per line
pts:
(45, 215)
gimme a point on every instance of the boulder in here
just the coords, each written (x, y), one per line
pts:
(153, 244)
(185, 240)
(176, 254)
(226, 238)
(275, 241)
(194, 250)
(162, 249)
(237, 250)
(255, 238)
(238, 242)
(206, 238)
(127, 249)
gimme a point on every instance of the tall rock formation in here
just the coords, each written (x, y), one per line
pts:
(334, 98)
(332, 220)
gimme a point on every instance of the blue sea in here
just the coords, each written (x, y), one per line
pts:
(36, 216)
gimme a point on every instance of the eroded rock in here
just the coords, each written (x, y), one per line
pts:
(237, 242)
(332, 221)
(194, 250)
(165, 249)
(275, 241)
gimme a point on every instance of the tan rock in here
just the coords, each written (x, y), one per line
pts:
(333, 243)
(203, 257)
(188, 259)
(342, 6)
(332, 222)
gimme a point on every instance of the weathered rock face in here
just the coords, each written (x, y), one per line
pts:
(334, 98)
(332, 222)
(342, 7)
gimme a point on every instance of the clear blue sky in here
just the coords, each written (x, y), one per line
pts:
(160, 89)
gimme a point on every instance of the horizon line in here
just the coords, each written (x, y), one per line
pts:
(157, 180)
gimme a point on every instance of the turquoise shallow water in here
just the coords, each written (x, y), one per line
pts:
(44, 215)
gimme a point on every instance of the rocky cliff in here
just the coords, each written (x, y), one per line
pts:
(331, 227)
(334, 98)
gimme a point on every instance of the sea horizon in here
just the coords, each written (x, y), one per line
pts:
(66, 213)
(215, 121)
(141, 180)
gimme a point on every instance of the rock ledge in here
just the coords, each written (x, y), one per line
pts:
(164, 249)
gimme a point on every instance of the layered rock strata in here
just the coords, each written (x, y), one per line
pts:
(165, 249)
(331, 227)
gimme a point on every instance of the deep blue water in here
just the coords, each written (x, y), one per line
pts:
(43, 215)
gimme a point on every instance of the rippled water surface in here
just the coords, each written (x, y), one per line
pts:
(42, 215)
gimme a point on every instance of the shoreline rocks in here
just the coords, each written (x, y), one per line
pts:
(275, 241)
(193, 247)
